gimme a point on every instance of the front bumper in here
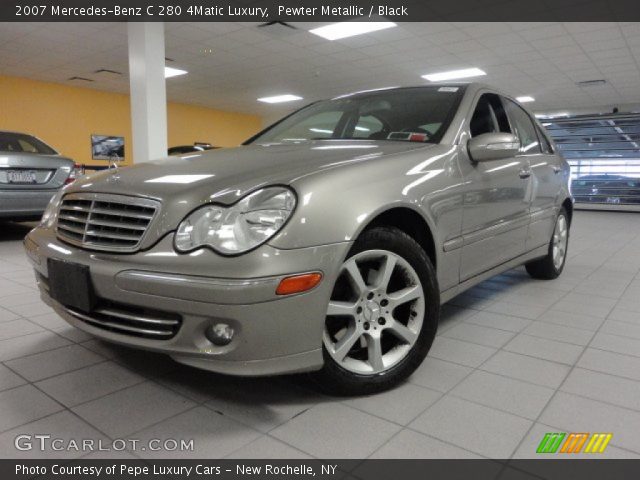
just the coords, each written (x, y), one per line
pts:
(24, 203)
(274, 334)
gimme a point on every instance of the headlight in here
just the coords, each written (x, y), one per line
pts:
(238, 228)
(51, 212)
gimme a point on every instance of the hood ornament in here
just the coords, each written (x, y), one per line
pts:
(113, 162)
(114, 176)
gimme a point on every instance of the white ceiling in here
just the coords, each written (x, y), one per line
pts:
(246, 62)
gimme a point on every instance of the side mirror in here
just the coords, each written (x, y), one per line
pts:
(493, 146)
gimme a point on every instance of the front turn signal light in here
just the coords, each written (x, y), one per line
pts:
(298, 283)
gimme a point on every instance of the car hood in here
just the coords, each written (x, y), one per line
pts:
(225, 175)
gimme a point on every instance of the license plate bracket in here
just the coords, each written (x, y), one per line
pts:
(70, 284)
(21, 176)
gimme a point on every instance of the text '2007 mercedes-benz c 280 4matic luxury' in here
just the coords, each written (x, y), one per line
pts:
(325, 243)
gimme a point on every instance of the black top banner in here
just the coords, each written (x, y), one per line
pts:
(318, 10)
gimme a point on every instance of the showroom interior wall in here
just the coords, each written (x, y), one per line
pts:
(66, 116)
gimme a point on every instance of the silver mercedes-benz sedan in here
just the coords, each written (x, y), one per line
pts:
(31, 172)
(325, 243)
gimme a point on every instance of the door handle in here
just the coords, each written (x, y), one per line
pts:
(556, 169)
(524, 173)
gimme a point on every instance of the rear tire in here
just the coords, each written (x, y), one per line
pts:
(551, 266)
(382, 316)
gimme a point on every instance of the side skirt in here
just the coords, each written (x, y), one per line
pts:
(467, 284)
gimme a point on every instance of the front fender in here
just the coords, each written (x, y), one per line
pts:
(339, 209)
(336, 205)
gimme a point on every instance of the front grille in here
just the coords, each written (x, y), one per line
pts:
(105, 222)
(133, 321)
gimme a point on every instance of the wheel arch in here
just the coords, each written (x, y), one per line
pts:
(568, 206)
(412, 223)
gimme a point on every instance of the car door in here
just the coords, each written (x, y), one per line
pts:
(543, 186)
(548, 173)
(496, 202)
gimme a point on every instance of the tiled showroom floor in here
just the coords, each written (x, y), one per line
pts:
(514, 358)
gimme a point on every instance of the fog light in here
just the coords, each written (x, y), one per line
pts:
(220, 334)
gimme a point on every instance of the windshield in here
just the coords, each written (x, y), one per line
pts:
(420, 114)
(19, 142)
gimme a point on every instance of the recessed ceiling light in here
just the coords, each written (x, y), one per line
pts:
(173, 72)
(454, 74)
(280, 98)
(339, 30)
(525, 99)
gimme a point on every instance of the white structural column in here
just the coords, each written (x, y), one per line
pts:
(148, 90)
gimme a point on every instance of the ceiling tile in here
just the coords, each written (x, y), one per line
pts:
(247, 61)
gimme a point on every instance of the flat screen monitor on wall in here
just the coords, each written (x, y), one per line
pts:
(107, 147)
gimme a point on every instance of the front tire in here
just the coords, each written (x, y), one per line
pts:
(382, 316)
(551, 266)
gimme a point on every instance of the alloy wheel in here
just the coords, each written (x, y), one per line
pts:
(375, 314)
(560, 238)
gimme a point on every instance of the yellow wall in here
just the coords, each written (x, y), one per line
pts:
(65, 117)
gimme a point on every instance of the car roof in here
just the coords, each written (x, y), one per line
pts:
(468, 86)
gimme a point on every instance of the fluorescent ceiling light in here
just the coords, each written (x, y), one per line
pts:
(339, 30)
(525, 99)
(454, 74)
(173, 72)
(321, 130)
(280, 98)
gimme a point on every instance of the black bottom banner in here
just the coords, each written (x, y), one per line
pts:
(560, 469)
